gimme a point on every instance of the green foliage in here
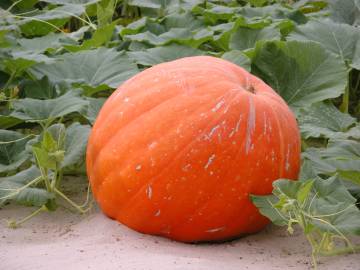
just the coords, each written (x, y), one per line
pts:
(89, 68)
(60, 60)
(340, 39)
(323, 208)
(153, 56)
(46, 111)
(12, 150)
(325, 120)
(296, 70)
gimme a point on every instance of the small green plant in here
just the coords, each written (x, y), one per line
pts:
(49, 152)
(323, 209)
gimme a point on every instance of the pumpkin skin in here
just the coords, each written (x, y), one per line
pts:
(177, 149)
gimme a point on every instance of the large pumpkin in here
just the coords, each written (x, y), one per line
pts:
(177, 149)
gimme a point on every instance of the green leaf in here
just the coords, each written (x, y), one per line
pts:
(73, 2)
(25, 4)
(289, 188)
(94, 107)
(44, 159)
(327, 204)
(7, 121)
(182, 20)
(12, 150)
(307, 171)
(34, 197)
(340, 156)
(19, 61)
(42, 89)
(93, 68)
(297, 71)
(246, 38)
(157, 4)
(343, 154)
(336, 207)
(324, 120)
(50, 42)
(345, 11)
(22, 177)
(35, 110)
(105, 11)
(216, 13)
(10, 188)
(258, 3)
(223, 32)
(71, 141)
(57, 131)
(238, 58)
(101, 36)
(338, 38)
(265, 204)
(153, 56)
(275, 11)
(46, 21)
(304, 191)
(134, 27)
(48, 143)
(178, 35)
(76, 139)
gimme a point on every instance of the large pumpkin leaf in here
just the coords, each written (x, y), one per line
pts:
(35, 110)
(94, 107)
(341, 156)
(182, 20)
(15, 62)
(76, 138)
(356, 59)
(49, 42)
(162, 54)
(301, 72)
(216, 13)
(12, 150)
(101, 36)
(325, 120)
(223, 32)
(245, 38)
(93, 68)
(338, 38)
(134, 27)
(46, 21)
(157, 4)
(238, 58)
(42, 89)
(178, 35)
(73, 2)
(345, 11)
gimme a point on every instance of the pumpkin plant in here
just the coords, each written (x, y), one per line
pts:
(177, 149)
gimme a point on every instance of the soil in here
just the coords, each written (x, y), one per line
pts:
(66, 240)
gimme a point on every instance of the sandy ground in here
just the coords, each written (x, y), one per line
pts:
(64, 240)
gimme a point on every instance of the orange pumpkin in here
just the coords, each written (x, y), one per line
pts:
(177, 149)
